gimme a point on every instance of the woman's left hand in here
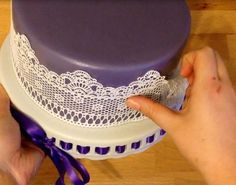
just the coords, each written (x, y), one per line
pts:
(19, 159)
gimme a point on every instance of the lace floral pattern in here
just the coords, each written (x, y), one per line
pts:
(77, 98)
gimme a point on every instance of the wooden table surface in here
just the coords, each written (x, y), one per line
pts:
(213, 24)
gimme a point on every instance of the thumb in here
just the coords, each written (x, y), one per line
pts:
(33, 155)
(161, 115)
(4, 102)
(26, 163)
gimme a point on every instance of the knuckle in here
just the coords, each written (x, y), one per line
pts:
(189, 56)
(147, 109)
(202, 53)
(208, 49)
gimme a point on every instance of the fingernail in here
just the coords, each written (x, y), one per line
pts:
(132, 104)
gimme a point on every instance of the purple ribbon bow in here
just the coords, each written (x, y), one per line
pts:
(64, 162)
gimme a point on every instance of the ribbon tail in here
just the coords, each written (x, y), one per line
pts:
(69, 168)
(56, 158)
(78, 166)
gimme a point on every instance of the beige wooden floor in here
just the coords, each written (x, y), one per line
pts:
(214, 24)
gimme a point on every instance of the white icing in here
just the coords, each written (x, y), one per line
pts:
(77, 98)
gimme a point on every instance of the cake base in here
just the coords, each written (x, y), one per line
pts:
(91, 143)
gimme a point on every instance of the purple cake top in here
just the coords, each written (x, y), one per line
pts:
(114, 41)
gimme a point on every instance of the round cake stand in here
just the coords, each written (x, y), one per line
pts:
(91, 143)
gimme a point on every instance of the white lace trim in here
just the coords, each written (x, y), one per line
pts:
(78, 98)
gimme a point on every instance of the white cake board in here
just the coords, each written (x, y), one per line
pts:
(94, 137)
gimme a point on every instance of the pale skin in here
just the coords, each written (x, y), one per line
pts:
(204, 131)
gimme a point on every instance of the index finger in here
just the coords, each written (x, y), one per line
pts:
(202, 64)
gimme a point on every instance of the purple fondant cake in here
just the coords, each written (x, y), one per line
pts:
(114, 41)
(74, 64)
(70, 65)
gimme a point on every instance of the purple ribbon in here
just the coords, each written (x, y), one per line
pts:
(64, 162)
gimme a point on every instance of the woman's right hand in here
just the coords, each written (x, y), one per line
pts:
(205, 129)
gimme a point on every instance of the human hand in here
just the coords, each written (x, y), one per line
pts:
(205, 129)
(19, 160)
